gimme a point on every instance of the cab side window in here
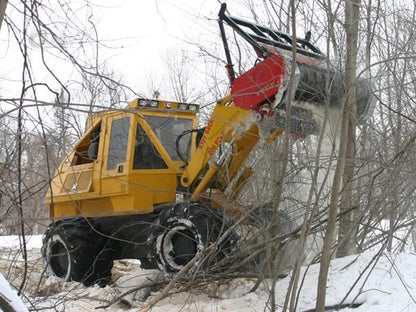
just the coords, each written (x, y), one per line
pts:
(118, 142)
(145, 154)
(95, 139)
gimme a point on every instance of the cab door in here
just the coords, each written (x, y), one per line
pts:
(153, 175)
(116, 150)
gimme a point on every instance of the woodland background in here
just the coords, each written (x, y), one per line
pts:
(350, 188)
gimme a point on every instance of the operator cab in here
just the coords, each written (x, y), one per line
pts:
(122, 155)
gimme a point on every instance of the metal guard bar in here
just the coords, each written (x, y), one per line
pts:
(265, 35)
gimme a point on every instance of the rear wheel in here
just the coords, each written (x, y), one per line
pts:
(73, 251)
(183, 231)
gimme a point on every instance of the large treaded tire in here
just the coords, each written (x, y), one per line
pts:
(74, 251)
(184, 230)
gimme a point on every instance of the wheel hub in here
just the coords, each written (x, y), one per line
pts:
(184, 247)
(179, 245)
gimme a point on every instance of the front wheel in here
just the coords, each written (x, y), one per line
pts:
(183, 231)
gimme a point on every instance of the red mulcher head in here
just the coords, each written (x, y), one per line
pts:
(263, 88)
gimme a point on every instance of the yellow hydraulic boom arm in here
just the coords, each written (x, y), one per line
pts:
(230, 124)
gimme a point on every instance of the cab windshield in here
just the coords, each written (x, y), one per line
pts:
(167, 130)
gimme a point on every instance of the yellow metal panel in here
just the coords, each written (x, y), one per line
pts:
(70, 181)
(153, 187)
(77, 182)
(84, 181)
(97, 207)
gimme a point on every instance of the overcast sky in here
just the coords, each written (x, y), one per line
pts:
(145, 32)
(138, 34)
(138, 38)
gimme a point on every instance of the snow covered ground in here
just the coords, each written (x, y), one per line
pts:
(385, 283)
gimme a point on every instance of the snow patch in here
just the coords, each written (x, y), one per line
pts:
(138, 285)
(8, 295)
(13, 241)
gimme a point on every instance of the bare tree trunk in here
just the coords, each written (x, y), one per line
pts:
(286, 150)
(352, 10)
(3, 5)
(19, 162)
(347, 225)
(292, 291)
